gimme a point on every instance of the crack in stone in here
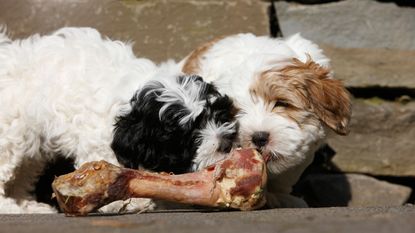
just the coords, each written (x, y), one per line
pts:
(386, 93)
(274, 26)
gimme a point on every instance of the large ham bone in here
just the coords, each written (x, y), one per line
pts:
(237, 182)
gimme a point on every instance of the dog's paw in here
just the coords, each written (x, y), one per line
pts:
(38, 208)
(133, 205)
(12, 206)
(284, 201)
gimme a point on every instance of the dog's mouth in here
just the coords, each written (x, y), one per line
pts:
(270, 156)
(266, 155)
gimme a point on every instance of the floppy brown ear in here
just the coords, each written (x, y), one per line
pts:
(327, 97)
(331, 102)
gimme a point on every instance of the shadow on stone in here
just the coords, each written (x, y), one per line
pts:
(312, 2)
(386, 93)
(410, 3)
(324, 185)
(404, 3)
(320, 185)
(274, 26)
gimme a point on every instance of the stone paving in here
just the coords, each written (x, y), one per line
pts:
(319, 220)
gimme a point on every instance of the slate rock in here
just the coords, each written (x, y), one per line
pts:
(351, 23)
(381, 139)
(371, 67)
(160, 29)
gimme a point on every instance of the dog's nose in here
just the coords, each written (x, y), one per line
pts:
(260, 138)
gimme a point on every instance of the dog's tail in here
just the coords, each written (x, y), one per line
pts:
(302, 47)
(3, 34)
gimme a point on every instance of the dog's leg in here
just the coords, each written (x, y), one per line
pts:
(278, 193)
(12, 206)
(11, 156)
(20, 165)
(282, 200)
(132, 205)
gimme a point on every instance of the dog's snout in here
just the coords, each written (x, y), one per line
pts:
(260, 138)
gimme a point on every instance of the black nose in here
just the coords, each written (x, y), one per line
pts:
(260, 138)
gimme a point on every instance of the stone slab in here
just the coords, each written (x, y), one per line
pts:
(368, 67)
(381, 140)
(161, 29)
(351, 23)
(317, 220)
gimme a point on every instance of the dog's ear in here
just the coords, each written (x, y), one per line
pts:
(144, 138)
(327, 97)
(135, 128)
(126, 142)
(331, 102)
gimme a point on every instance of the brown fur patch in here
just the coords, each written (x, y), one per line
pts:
(301, 88)
(192, 64)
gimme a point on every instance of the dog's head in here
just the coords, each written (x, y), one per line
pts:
(287, 110)
(175, 125)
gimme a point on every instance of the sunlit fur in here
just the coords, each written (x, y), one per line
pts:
(62, 94)
(283, 88)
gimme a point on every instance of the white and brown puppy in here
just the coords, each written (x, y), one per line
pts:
(287, 99)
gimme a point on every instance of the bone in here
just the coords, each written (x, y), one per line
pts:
(237, 183)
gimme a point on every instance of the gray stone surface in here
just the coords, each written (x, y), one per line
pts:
(351, 23)
(161, 29)
(368, 67)
(381, 141)
(352, 190)
(322, 220)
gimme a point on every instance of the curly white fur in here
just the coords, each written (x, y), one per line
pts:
(59, 94)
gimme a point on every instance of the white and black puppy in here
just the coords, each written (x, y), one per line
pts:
(176, 126)
(65, 93)
(287, 97)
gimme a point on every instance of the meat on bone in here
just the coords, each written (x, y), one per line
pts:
(237, 182)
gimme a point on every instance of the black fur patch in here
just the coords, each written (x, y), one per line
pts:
(142, 139)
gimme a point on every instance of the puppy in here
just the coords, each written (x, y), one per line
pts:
(73, 93)
(176, 126)
(287, 99)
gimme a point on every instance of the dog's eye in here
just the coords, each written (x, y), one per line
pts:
(281, 103)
